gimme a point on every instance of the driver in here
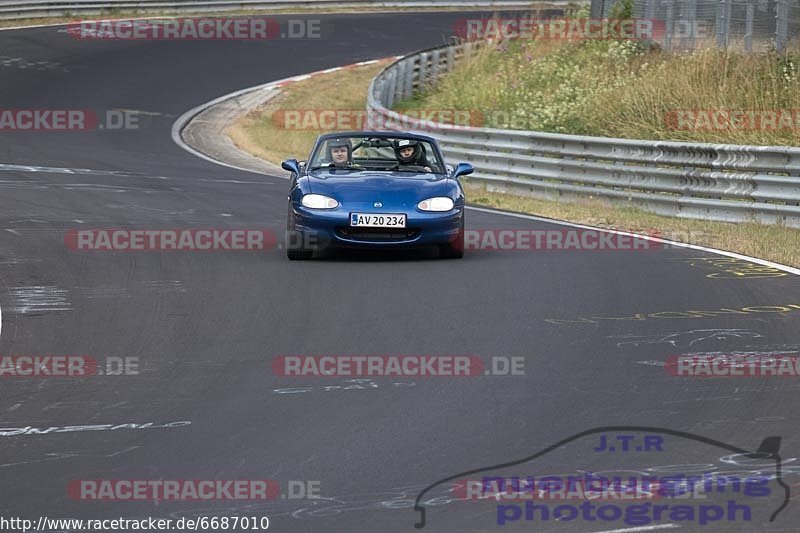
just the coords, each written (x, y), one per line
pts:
(410, 152)
(340, 153)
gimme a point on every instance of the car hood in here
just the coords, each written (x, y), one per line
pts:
(368, 187)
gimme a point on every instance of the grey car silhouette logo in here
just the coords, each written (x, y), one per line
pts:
(768, 449)
(377, 204)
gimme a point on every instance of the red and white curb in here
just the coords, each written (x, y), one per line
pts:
(295, 79)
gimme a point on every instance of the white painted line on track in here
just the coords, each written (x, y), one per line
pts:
(185, 118)
(762, 262)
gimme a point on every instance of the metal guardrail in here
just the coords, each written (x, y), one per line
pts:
(32, 9)
(706, 181)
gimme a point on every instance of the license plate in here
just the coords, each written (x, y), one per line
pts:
(367, 220)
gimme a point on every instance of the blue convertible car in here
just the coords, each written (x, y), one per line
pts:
(375, 190)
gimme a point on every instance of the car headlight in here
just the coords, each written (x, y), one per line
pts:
(317, 201)
(440, 203)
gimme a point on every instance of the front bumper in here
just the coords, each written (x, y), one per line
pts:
(332, 228)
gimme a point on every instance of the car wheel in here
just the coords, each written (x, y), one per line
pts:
(294, 248)
(455, 248)
(299, 255)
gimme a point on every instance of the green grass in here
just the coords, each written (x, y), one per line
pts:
(622, 89)
(775, 243)
(258, 134)
(261, 135)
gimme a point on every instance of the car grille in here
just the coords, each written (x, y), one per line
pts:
(377, 234)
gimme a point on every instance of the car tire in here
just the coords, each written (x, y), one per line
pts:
(299, 255)
(455, 248)
(295, 254)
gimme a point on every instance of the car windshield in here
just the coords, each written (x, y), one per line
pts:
(390, 154)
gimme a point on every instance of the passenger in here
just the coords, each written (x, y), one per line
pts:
(410, 152)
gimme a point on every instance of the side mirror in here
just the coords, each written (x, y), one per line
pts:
(462, 170)
(291, 165)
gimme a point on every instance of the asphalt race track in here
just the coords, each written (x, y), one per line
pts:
(593, 328)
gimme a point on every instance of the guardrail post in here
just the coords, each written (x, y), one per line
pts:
(469, 47)
(649, 9)
(380, 96)
(748, 29)
(399, 91)
(691, 17)
(728, 16)
(408, 82)
(450, 59)
(422, 72)
(781, 25)
(596, 9)
(669, 22)
(723, 23)
(387, 98)
(434, 72)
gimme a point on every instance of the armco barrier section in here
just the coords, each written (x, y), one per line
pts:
(706, 181)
